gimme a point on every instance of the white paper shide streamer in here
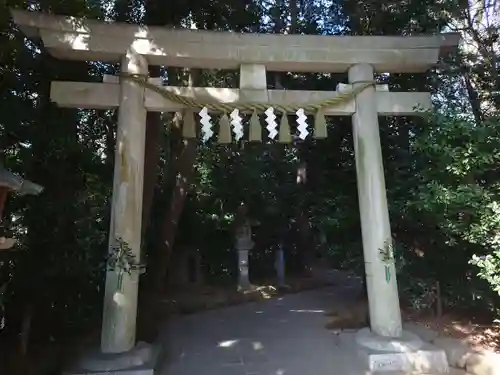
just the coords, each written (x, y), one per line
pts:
(236, 123)
(271, 123)
(206, 128)
(302, 124)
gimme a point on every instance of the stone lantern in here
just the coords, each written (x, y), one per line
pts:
(244, 244)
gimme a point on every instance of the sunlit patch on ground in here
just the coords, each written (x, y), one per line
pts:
(205, 297)
(480, 336)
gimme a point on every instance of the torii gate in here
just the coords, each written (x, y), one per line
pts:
(136, 47)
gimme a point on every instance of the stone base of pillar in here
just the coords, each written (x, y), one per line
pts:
(408, 354)
(141, 360)
(243, 269)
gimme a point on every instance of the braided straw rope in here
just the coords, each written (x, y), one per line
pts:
(248, 107)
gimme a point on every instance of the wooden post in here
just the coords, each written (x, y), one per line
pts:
(120, 300)
(385, 313)
(3, 197)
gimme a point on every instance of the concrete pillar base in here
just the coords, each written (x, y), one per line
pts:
(407, 342)
(140, 360)
(243, 276)
(407, 353)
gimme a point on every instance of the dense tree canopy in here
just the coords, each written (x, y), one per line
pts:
(442, 171)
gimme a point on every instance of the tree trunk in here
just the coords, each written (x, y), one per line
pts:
(185, 172)
(110, 141)
(151, 158)
(157, 14)
(473, 99)
(183, 168)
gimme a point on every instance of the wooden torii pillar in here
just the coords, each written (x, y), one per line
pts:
(137, 46)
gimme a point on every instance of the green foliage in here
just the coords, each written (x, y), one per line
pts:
(387, 252)
(489, 268)
(122, 259)
(459, 192)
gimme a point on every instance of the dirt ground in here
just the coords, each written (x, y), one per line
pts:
(477, 332)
